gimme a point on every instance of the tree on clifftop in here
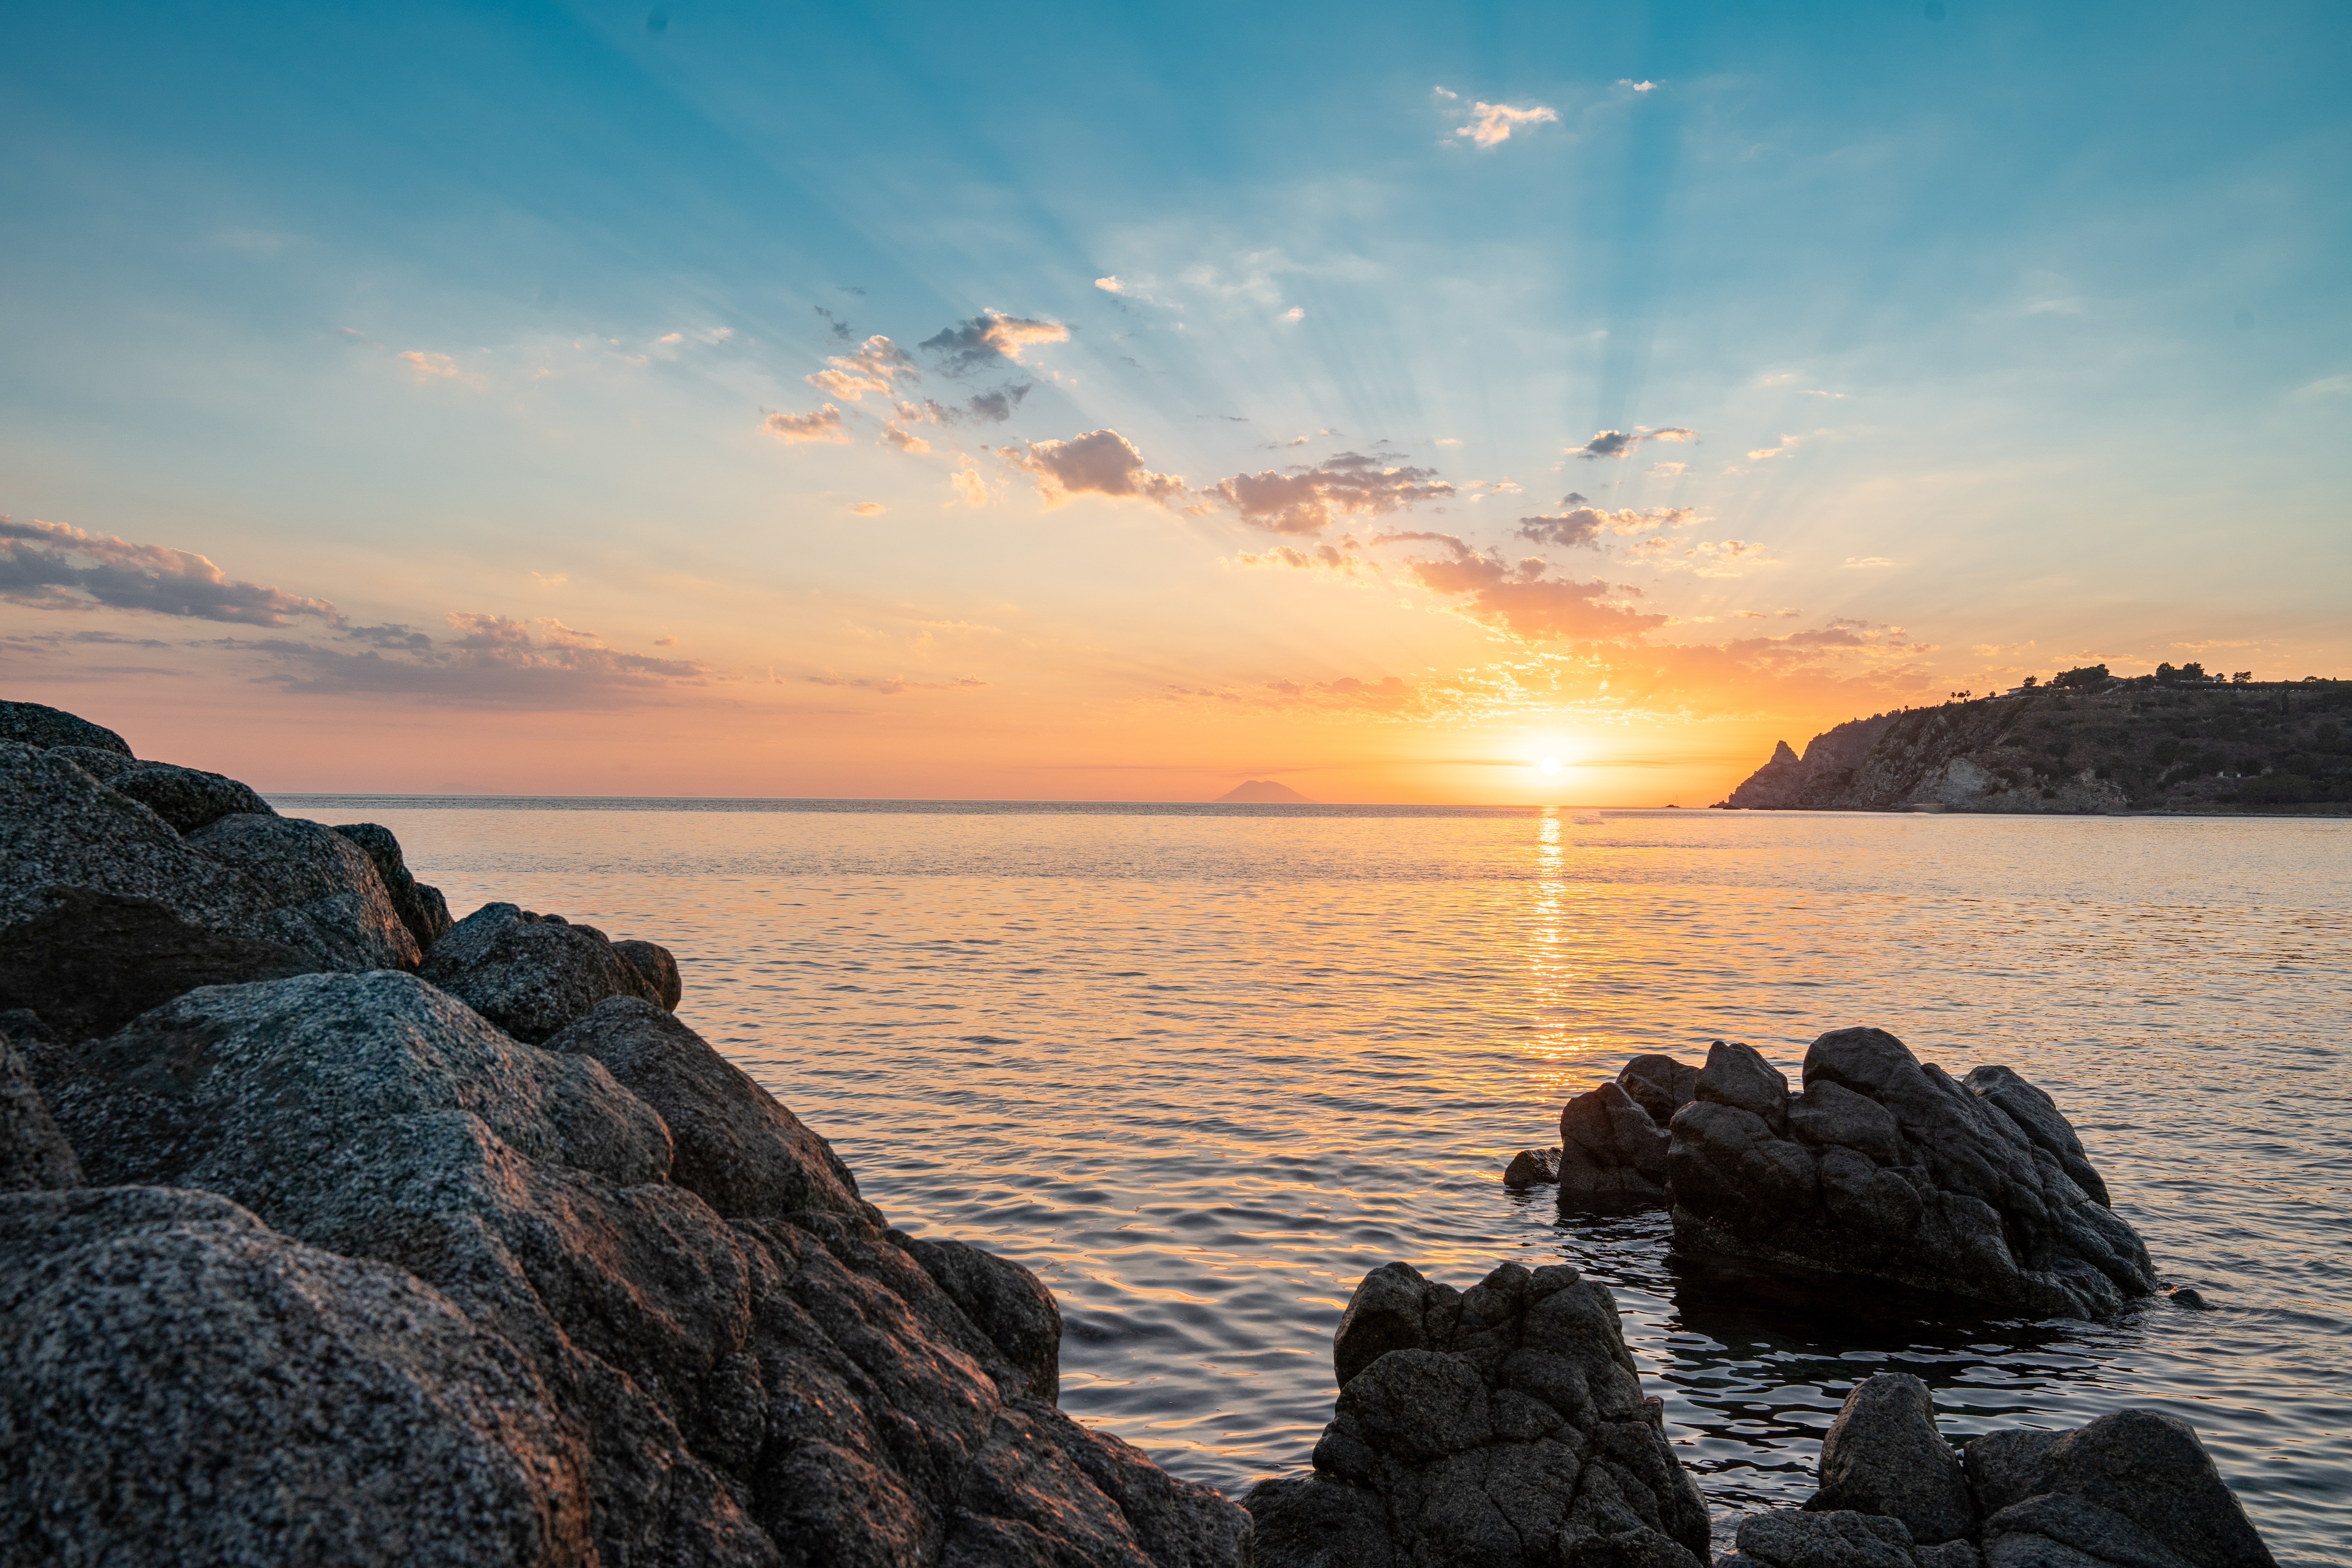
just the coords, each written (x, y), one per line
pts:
(2082, 678)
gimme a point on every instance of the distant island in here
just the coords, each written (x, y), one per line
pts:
(1263, 792)
(2176, 740)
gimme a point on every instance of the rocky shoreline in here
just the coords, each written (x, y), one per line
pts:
(336, 1231)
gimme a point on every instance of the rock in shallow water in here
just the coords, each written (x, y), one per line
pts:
(1610, 1150)
(1890, 1169)
(1532, 1168)
(1501, 1425)
(1883, 1455)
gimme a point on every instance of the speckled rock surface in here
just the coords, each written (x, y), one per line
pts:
(322, 891)
(420, 906)
(1500, 1425)
(34, 1155)
(187, 798)
(529, 974)
(790, 1387)
(34, 724)
(180, 1385)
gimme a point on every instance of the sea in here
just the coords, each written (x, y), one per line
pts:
(1203, 1067)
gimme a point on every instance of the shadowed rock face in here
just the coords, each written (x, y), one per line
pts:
(532, 975)
(1500, 1425)
(187, 798)
(783, 1385)
(2132, 1489)
(34, 1155)
(420, 906)
(1888, 1168)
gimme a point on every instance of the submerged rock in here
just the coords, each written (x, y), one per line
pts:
(2132, 1489)
(1889, 1169)
(532, 975)
(783, 1385)
(1500, 1425)
(1532, 1168)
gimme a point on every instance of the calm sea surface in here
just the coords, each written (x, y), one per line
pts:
(1202, 1068)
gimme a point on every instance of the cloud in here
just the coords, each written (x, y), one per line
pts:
(1621, 443)
(1491, 123)
(1731, 558)
(2327, 387)
(877, 366)
(1817, 392)
(967, 482)
(836, 325)
(489, 661)
(1669, 470)
(894, 435)
(430, 366)
(1100, 462)
(1310, 499)
(1295, 313)
(1519, 598)
(1637, 86)
(2070, 305)
(1868, 561)
(55, 566)
(1583, 524)
(868, 509)
(1761, 453)
(824, 425)
(989, 337)
(890, 685)
(1110, 285)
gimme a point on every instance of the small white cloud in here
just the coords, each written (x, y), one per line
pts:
(1442, 440)
(671, 338)
(1295, 313)
(1761, 453)
(2333, 386)
(429, 366)
(1444, 96)
(1817, 392)
(824, 425)
(1868, 561)
(868, 509)
(1669, 470)
(1637, 86)
(1491, 123)
(1110, 285)
(906, 440)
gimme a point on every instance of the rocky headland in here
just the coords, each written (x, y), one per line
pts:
(336, 1231)
(2096, 745)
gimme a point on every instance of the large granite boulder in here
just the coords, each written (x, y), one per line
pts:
(34, 1155)
(187, 798)
(178, 1384)
(532, 975)
(1501, 1425)
(1888, 1168)
(784, 1386)
(325, 897)
(2132, 1489)
(1659, 1084)
(34, 724)
(107, 909)
(420, 905)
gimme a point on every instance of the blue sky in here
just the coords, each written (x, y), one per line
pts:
(1998, 338)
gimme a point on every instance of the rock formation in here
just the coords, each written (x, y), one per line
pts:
(329, 1266)
(1881, 1167)
(2132, 1489)
(1890, 1169)
(1501, 1425)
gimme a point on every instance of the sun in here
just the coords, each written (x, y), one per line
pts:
(1548, 765)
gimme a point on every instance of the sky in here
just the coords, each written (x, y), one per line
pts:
(1121, 403)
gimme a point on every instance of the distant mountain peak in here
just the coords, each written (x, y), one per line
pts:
(1263, 792)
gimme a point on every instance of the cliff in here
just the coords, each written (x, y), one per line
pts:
(2131, 745)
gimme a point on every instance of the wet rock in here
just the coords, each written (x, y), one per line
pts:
(324, 894)
(1960, 1198)
(33, 724)
(653, 970)
(529, 973)
(733, 1144)
(420, 906)
(93, 962)
(1738, 1076)
(1503, 1424)
(1883, 1455)
(1532, 1168)
(187, 798)
(1796, 1538)
(2189, 1297)
(2146, 1466)
(1611, 1152)
(1659, 1085)
(1005, 1302)
(179, 1384)
(767, 1388)
(34, 1155)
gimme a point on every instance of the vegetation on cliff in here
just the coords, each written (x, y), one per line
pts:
(2142, 744)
